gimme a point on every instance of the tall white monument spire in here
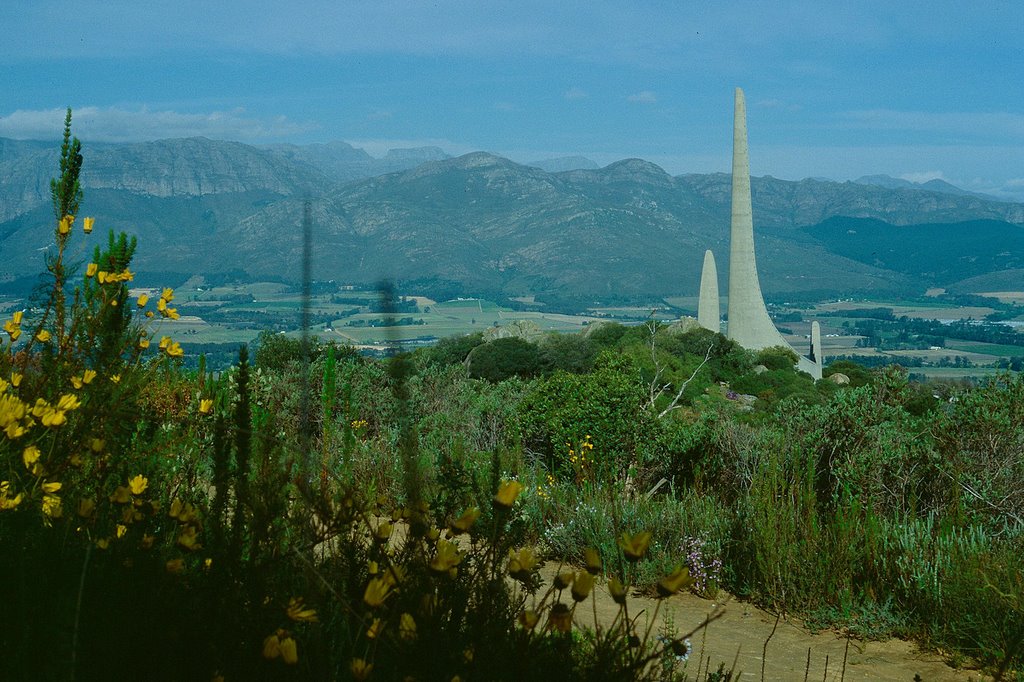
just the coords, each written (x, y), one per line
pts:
(708, 307)
(749, 323)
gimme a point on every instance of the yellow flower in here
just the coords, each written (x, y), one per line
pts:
(88, 375)
(465, 522)
(165, 341)
(375, 628)
(147, 541)
(582, 585)
(30, 456)
(205, 406)
(161, 305)
(521, 564)
(174, 350)
(272, 646)
(116, 378)
(360, 669)
(43, 335)
(508, 491)
(52, 506)
(101, 276)
(121, 530)
(560, 618)
(678, 580)
(143, 300)
(76, 382)
(15, 379)
(104, 543)
(51, 487)
(563, 580)
(87, 225)
(138, 484)
(376, 592)
(7, 502)
(143, 343)
(636, 546)
(592, 560)
(407, 627)
(189, 538)
(90, 269)
(528, 619)
(175, 565)
(64, 227)
(17, 316)
(97, 445)
(617, 590)
(172, 313)
(297, 611)
(446, 558)
(68, 402)
(289, 651)
(167, 295)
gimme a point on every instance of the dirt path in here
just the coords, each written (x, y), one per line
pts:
(744, 628)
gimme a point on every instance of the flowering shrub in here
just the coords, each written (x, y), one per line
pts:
(705, 568)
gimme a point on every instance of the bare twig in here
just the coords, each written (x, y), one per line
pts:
(764, 650)
(78, 612)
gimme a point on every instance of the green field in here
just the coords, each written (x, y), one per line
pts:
(994, 349)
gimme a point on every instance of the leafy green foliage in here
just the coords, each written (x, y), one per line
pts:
(503, 358)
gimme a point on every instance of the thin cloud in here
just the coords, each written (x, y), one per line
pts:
(122, 125)
(999, 124)
(643, 97)
(573, 94)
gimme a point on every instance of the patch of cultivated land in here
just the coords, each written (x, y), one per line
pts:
(1007, 296)
(938, 311)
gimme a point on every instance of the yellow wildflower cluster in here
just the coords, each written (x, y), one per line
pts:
(65, 225)
(542, 491)
(14, 414)
(172, 348)
(7, 501)
(166, 296)
(580, 460)
(188, 519)
(85, 378)
(281, 644)
(298, 611)
(13, 325)
(55, 415)
(104, 277)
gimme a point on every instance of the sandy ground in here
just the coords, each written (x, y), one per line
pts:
(744, 629)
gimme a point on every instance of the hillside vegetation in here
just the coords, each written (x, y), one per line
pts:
(316, 514)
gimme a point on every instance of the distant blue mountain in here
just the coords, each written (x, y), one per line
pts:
(935, 185)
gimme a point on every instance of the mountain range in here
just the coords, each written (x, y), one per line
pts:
(482, 224)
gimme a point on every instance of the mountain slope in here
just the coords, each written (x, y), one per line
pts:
(484, 223)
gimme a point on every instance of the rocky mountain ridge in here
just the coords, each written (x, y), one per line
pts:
(478, 221)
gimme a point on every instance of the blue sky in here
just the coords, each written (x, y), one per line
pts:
(834, 89)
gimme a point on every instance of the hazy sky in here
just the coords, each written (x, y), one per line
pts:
(838, 89)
